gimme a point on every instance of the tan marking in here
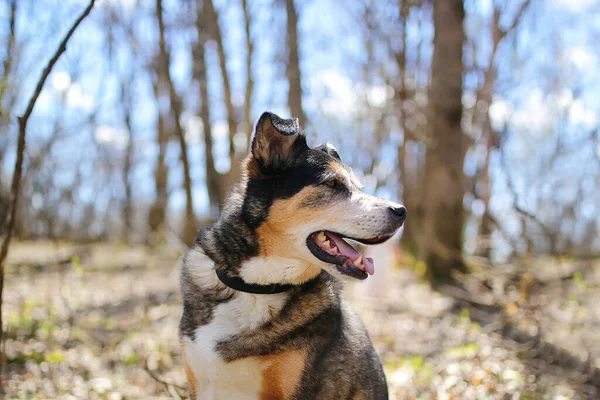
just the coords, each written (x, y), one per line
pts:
(189, 373)
(358, 396)
(341, 172)
(282, 375)
(284, 216)
(287, 214)
(337, 167)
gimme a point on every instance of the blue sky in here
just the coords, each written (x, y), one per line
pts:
(548, 86)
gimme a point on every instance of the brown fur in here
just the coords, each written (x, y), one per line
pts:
(250, 168)
(337, 167)
(304, 343)
(284, 214)
(282, 375)
(269, 143)
(341, 172)
(189, 373)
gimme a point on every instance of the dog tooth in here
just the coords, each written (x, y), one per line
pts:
(359, 260)
(321, 237)
(334, 249)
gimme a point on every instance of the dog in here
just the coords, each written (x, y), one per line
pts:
(262, 311)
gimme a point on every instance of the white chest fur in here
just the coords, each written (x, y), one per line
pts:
(240, 379)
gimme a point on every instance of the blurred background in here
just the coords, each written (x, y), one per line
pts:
(481, 116)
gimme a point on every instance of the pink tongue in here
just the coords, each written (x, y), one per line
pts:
(370, 265)
(343, 247)
(347, 250)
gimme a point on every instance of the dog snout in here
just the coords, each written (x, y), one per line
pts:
(398, 212)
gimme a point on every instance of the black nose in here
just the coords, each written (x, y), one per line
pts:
(399, 212)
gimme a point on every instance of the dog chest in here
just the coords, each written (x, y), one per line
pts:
(240, 379)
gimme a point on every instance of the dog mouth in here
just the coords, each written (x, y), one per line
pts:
(331, 248)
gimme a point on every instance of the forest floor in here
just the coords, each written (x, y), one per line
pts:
(100, 322)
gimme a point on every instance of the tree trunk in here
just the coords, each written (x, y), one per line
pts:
(6, 102)
(249, 79)
(189, 227)
(127, 206)
(443, 217)
(158, 210)
(293, 65)
(213, 21)
(213, 178)
(410, 187)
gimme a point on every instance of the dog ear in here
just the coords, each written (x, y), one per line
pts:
(276, 140)
(329, 149)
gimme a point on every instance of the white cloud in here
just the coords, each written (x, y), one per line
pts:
(580, 114)
(61, 81)
(126, 4)
(377, 95)
(539, 111)
(112, 136)
(337, 96)
(500, 112)
(535, 114)
(194, 129)
(581, 57)
(564, 98)
(220, 130)
(574, 5)
(468, 99)
(78, 99)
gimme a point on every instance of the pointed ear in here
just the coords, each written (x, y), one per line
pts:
(276, 140)
(329, 149)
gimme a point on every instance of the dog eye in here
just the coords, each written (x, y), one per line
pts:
(332, 183)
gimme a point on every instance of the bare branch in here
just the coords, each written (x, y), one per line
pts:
(547, 231)
(61, 49)
(10, 54)
(7, 228)
(171, 387)
(518, 18)
(189, 230)
(212, 19)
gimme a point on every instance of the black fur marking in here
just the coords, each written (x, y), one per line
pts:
(242, 286)
(232, 239)
(329, 149)
(286, 127)
(276, 141)
(309, 313)
(341, 360)
(306, 169)
(229, 241)
(344, 355)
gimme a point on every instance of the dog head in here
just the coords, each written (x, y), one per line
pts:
(299, 204)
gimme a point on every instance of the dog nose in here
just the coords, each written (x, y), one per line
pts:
(399, 212)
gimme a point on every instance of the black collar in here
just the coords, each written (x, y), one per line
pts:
(239, 284)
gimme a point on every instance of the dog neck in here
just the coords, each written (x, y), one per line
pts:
(233, 247)
(273, 269)
(239, 284)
